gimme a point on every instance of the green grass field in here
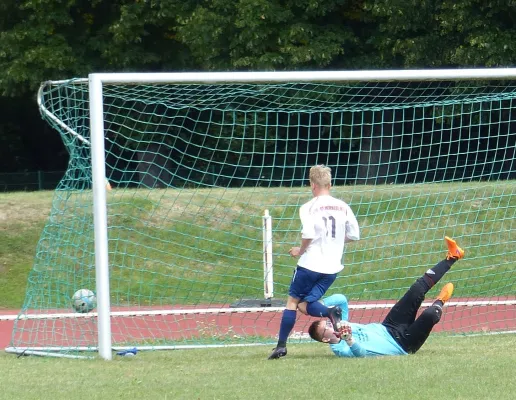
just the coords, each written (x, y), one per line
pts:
(447, 367)
(454, 368)
(205, 245)
(22, 219)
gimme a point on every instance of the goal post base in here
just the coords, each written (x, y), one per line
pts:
(258, 303)
(21, 352)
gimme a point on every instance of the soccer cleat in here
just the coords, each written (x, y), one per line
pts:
(454, 251)
(278, 352)
(335, 316)
(446, 293)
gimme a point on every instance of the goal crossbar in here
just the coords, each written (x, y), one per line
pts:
(307, 76)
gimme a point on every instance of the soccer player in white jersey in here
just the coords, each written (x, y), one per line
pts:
(401, 332)
(327, 223)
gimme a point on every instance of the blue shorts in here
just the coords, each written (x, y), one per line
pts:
(309, 286)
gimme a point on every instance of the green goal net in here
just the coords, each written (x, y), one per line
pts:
(194, 171)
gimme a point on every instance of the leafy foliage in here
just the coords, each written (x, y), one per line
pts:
(48, 39)
(57, 39)
(264, 34)
(437, 33)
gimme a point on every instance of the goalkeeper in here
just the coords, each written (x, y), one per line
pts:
(400, 333)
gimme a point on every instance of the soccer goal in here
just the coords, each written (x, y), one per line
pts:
(182, 193)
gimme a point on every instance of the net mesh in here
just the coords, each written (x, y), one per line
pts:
(193, 167)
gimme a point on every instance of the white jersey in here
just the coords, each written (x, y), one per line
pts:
(328, 222)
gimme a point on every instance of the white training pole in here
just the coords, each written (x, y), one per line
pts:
(98, 164)
(268, 283)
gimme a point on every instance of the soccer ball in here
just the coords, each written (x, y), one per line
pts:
(84, 301)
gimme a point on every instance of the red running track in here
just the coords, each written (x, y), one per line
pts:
(82, 331)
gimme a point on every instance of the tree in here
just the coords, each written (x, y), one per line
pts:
(47, 40)
(266, 34)
(437, 33)
(58, 39)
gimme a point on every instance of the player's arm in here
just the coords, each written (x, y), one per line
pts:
(352, 228)
(307, 233)
(346, 336)
(298, 251)
(343, 349)
(338, 300)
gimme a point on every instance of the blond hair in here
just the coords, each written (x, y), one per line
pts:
(320, 175)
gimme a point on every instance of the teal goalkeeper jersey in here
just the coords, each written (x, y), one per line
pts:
(371, 340)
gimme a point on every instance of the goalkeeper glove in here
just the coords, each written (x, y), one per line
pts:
(345, 332)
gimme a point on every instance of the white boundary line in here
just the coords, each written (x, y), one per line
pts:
(484, 333)
(119, 348)
(54, 350)
(228, 310)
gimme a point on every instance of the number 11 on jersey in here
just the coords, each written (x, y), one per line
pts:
(330, 220)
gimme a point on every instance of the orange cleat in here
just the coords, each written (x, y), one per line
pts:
(454, 251)
(446, 293)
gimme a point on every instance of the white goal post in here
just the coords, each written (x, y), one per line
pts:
(96, 85)
(97, 80)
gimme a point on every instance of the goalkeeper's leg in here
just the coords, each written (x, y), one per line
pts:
(417, 333)
(405, 310)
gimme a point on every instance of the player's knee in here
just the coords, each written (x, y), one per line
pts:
(316, 309)
(426, 282)
(292, 303)
(433, 313)
(301, 307)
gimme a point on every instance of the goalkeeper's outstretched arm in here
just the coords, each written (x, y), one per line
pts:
(338, 300)
(348, 346)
